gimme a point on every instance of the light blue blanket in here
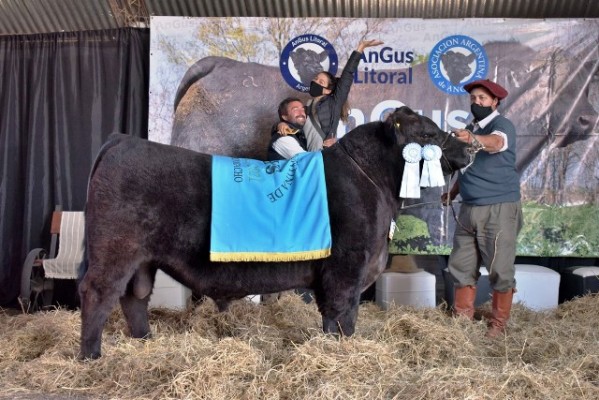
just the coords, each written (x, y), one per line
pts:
(269, 210)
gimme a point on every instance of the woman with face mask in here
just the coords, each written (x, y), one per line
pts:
(329, 101)
(490, 215)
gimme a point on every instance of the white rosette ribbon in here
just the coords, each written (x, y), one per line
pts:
(432, 174)
(410, 181)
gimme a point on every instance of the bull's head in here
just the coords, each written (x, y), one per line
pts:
(457, 65)
(308, 63)
(409, 127)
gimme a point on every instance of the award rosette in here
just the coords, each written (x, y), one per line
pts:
(432, 174)
(410, 181)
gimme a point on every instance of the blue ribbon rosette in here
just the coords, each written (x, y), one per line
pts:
(410, 181)
(432, 174)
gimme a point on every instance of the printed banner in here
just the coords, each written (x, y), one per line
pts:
(215, 84)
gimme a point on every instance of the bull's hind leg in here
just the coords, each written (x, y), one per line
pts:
(99, 291)
(96, 305)
(135, 302)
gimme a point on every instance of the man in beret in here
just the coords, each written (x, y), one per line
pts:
(490, 216)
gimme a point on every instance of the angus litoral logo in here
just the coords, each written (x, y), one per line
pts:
(456, 61)
(387, 56)
(304, 57)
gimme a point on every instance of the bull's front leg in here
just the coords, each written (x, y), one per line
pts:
(344, 324)
(338, 296)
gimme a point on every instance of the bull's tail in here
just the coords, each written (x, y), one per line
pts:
(112, 141)
(196, 72)
(84, 263)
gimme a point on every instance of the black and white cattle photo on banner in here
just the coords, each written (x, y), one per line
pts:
(215, 84)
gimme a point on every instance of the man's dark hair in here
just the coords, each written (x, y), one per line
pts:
(283, 106)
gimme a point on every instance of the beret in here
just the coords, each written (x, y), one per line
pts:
(493, 88)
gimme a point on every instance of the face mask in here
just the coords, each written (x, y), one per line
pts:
(480, 112)
(315, 89)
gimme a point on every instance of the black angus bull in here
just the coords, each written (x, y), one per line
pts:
(149, 207)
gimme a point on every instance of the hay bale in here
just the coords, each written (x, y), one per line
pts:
(278, 351)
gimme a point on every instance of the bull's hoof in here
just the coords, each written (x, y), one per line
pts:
(89, 356)
(222, 305)
(331, 328)
(142, 336)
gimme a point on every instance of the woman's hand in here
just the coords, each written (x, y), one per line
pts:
(368, 43)
(329, 142)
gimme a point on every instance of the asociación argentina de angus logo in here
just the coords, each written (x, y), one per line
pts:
(455, 61)
(305, 56)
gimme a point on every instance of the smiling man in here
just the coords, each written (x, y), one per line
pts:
(289, 139)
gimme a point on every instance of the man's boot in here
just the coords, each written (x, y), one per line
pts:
(463, 304)
(502, 305)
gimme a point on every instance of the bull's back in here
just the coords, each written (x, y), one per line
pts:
(150, 197)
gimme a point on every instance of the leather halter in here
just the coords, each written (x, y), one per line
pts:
(340, 142)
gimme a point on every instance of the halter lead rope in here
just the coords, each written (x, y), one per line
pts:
(342, 145)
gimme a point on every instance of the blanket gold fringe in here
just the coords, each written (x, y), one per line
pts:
(265, 257)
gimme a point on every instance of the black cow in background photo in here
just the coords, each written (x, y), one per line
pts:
(149, 207)
(308, 63)
(457, 65)
(233, 104)
(557, 149)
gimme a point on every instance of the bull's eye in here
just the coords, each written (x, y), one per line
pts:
(397, 125)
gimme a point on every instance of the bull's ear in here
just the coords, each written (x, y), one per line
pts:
(406, 124)
(392, 127)
(297, 54)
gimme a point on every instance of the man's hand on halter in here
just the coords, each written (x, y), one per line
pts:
(463, 135)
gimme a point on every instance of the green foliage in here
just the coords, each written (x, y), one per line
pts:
(552, 231)
(429, 249)
(396, 248)
(548, 231)
(410, 227)
(439, 250)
